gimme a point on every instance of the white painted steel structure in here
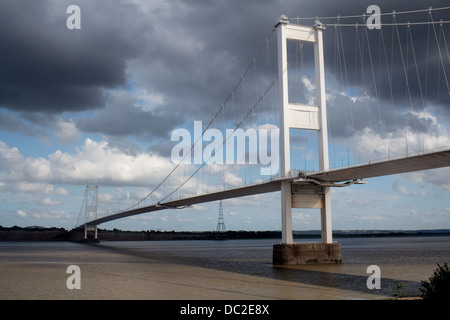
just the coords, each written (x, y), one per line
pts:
(295, 116)
(91, 209)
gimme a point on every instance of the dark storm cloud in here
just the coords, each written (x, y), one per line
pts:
(394, 52)
(196, 59)
(46, 67)
(191, 53)
(122, 117)
(13, 123)
(200, 50)
(402, 74)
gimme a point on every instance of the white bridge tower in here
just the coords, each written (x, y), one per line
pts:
(303, 194)
(91, 210)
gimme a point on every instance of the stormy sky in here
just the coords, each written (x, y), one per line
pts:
(82, 106)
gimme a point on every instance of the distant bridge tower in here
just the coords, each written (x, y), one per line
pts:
(91, 197)
(220, 230)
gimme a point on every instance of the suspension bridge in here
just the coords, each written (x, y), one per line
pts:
(376, 110)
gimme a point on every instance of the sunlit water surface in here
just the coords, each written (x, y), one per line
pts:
(235, 269)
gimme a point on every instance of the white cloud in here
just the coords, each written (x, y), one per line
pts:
(21, 213)
(231, 179)
(231, 213)
(56, 214)
(302, 217)
(146, 100)
(373, 219)
(67, 132)
(61, 191)
(31, 187)
(436, 177)
(50, 202)
(199, 207)
(93, 162)
(370, 145)
(10, 158)
(53, 215)
(357, 202)
(401, 188)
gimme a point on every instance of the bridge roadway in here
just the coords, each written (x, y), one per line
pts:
(417, 162)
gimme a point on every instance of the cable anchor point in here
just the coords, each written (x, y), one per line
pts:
(318, 25)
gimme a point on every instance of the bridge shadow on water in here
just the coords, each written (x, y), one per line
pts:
(335, 276)
(348, 281)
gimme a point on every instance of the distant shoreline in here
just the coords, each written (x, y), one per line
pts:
(37, 233)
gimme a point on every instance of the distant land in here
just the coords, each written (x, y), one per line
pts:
(39, 233)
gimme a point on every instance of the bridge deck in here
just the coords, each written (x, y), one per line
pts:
(419, 162)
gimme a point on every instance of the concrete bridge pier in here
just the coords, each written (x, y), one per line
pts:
(306, 253)
(93, 237)
(86, 234)
(288, 252)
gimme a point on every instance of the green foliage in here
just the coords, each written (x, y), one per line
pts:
(399, 290)
(438, 286)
